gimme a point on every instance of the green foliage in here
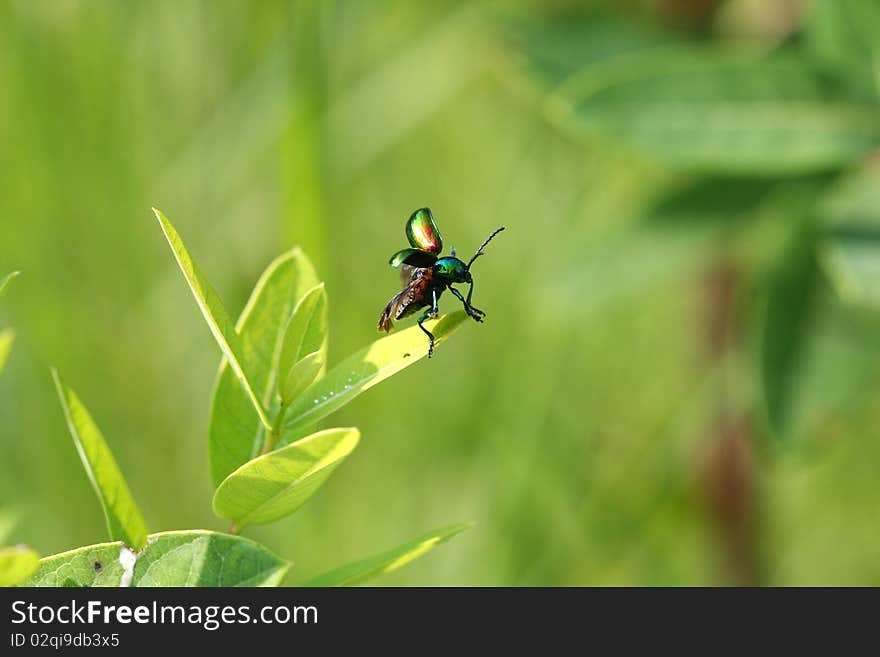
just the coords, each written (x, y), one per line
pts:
(213, 311)
(787, 310)
(274, 485)
(281, 340)
(653, 279)
(367, 367)
(124, 520)
(179, 558)
(706, 110)
(850, 242)
(366, 569)
(842, 36)
(236, 433)
(304, 349)
(17, 564)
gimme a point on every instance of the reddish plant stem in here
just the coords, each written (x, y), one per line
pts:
(727, 465)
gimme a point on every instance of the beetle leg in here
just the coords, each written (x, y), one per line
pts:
(477, 315)
(430, 335)
(434, 310)
(468, 302)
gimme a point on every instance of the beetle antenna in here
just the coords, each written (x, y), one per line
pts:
(483, 246)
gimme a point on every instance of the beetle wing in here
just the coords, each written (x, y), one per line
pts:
(413, 258)
(406, 272)
(422, 233)
(410, 299)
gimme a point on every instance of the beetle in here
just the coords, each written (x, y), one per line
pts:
(425, 275)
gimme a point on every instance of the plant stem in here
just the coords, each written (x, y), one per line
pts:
(274, 434)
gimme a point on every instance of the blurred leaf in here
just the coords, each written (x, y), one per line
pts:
(306, 333)
(851, 245)
(124, 520)
(851, 257)
(706, 110)
(366, 569)
(7, 337)
(845, 35)
(17, 564)
(5, 281)
(236, 433)
(276, 484)
(555, 50)
(367, 367)
(787, 298)
(178, 558)
(214, 312)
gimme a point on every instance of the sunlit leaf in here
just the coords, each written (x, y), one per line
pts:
(236, 433)
(306, 333)
(302, 374)
(178, 558)
(7, 337)
(276, 484)
(365, 569)
(706, 110)
(213, 311)
(124, 520)
(367, 367)
(17, 564)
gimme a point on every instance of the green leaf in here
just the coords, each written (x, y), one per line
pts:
(706, 110)
(5, 281)
(787, 302)
(306, 333)
(844, 35)
(367, 367)
(276, 484)
(124, 520)
(850, 253)
(236, 433)
(556, 49)
(213, 311)
(178, 558)
(852, 260)
(301, 375)
(7, 337)
(17, 564)
(365, 569)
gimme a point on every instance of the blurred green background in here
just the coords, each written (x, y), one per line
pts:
(678, 379)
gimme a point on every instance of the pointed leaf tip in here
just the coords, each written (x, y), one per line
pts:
(213, 311)
(124, 520)
(365, 569)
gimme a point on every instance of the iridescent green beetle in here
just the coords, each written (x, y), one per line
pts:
(425, 275)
